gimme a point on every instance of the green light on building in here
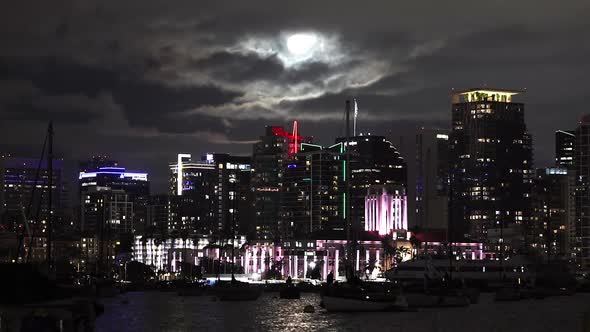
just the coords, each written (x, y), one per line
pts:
(344, 205)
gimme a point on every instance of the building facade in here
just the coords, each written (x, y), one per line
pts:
(22, 189)
(213, 195)
(550, 229)
(491, 167)
(373, 161)
(432, 179)
(112, 186)
(386, 210)
(311, 195)
(565, 141)
(269, 157)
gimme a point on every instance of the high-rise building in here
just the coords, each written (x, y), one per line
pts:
(553, 213)
(565, 141)
(116, 190)
(491, 161)
(582, 168)
(311, 196)
(373, 161)
(193, 186)
(212, 195)
(21, 187)
(269, 155)
(158, 212)
(432, 179)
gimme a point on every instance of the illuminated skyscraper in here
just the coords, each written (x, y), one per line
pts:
(373, 161)
(114, 198)
(491, 166)
(553, 216)
(17, 181)
(311, 197)
(269, 156)
(215, 192)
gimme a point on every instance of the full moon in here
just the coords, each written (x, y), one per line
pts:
(301, 43)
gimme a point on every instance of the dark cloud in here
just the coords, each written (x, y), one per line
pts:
(70, 92)
(237, 67)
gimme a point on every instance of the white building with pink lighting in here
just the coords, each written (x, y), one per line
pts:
(386, 210)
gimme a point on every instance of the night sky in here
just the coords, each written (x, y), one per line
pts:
(144, 80)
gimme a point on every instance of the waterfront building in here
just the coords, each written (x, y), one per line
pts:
(490, 167)
(386, 210)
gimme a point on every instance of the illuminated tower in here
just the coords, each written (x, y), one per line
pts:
(311, 200)
(269, 155)
(373, 161)
(491, 167)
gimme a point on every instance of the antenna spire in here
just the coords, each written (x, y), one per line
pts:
(356, 113)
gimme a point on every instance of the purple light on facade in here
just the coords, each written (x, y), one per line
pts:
(385, 211)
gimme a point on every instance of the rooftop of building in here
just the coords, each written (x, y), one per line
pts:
(484, 94)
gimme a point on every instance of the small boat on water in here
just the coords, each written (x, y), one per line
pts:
(354, 298)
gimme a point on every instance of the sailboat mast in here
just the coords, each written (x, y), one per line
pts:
(50, 196)
(233, 227)
(451, 230)
(347, 195)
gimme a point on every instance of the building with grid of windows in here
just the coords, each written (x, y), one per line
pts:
(211, 196)
(311, 196)
(565, 141)
(373, 161)
(269, 156)
(490, 166)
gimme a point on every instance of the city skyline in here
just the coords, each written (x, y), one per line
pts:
(258, 165)
(159, 171)
(183, 78)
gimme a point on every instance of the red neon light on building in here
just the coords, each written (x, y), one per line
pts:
(295, 136)
(293, 139)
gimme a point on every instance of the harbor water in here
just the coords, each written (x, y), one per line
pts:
(165, 311)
